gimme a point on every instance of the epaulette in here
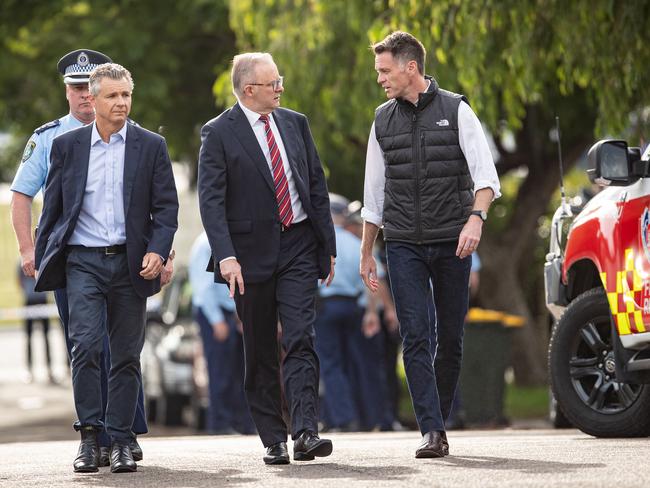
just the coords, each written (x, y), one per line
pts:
(132, 122)
(49, 125)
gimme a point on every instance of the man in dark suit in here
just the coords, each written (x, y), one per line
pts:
(109, 218)
(265, 209)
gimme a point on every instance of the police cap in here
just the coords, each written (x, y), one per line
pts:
(339, 204)
(77, 65)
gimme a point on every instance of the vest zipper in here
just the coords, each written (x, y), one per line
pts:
(416, 160)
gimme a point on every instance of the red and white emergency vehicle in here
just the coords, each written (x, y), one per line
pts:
(598, 290)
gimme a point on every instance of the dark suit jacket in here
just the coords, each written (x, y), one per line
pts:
(150, 204)
(237, 197)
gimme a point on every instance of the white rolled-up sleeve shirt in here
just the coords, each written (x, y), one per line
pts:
(472, 142)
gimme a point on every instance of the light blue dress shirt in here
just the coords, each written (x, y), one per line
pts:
(101, 220)
(32, 173)
(207, 295)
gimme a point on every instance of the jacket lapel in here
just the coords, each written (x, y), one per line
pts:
(244, 133)
(131, 162)
(81, 162)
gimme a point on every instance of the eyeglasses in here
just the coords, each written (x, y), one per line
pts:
(275, 84)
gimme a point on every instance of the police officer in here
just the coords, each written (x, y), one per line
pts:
(223, 346)
(75, 67)
(340, 340)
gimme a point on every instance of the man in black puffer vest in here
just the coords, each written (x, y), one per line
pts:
(430, 179)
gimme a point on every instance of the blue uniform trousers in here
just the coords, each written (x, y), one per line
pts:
(227, 406)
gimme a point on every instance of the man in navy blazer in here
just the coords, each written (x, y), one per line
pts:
(265, 209)
(109, 217)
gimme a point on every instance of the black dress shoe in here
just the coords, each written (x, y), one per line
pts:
(87, 460)
(104, 456)
(122, 459)
(445, 443)
(136, 450)
(309, 445)
(431, 446)
(277, 454)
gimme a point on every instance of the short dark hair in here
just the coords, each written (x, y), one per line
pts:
(404, 47)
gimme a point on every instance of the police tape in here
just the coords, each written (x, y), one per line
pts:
(43, 311)
(481, 315)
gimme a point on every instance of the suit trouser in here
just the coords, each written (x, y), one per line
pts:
(432, 378)
(290, 297)
(140, 421)
(101, 302)
(227, 401)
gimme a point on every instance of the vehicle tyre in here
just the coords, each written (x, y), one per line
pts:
(556, 415)
(583, 376)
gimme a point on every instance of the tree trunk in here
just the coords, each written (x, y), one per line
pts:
(506, 254)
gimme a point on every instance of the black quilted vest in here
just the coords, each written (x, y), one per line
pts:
(429, 190)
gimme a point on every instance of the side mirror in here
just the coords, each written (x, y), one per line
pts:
(611, 163)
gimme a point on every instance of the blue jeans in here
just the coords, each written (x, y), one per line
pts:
(411, 267)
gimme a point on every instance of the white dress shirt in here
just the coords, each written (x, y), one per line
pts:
(101, 220)
(472, 142)
(258, 128)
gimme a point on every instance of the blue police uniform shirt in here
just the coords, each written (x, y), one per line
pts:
(347, 281)
(208, 296)
(476, 263)
(32, 172)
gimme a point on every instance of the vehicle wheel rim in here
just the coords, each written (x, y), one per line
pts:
(592, 369)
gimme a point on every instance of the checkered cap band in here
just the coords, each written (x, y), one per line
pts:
(75, 69)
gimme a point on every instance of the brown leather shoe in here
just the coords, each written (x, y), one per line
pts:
(431, 446)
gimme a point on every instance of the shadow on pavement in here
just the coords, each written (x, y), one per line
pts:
(163, 477)
(315, 470)
(512, 464)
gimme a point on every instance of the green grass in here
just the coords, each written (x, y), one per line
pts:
(526, 402)
(10, 292)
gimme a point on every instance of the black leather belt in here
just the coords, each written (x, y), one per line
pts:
(106, 250)
(284, 228)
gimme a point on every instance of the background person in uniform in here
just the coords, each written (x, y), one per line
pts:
(33, 297)
(265, 208)
(430, 191)
(75, 67)
(107, 240)
(223, 348)
(384, 345)
(338, 329)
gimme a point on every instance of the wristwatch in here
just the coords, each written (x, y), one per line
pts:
(482, 214)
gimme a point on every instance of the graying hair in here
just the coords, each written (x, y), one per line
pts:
(112, 71)
(243, 69)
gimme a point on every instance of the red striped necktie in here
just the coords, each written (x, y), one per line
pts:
(279, 177)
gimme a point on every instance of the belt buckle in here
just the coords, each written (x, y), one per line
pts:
(109, 251)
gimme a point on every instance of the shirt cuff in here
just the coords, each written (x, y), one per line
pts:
(480, 184)
(227, 259)
(371, 217)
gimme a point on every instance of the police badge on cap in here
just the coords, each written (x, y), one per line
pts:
(77, 65)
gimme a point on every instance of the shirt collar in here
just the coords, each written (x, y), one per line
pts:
(250, 115)
(94, 136)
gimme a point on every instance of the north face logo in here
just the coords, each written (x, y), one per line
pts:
(443, 123)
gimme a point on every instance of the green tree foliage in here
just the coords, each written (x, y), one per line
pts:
(519, 63)
(173, 50)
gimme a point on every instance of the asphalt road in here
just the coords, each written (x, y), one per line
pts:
(481, 459)
(38, 445)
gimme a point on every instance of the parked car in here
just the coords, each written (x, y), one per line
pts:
(168, 354)
(598, 290)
